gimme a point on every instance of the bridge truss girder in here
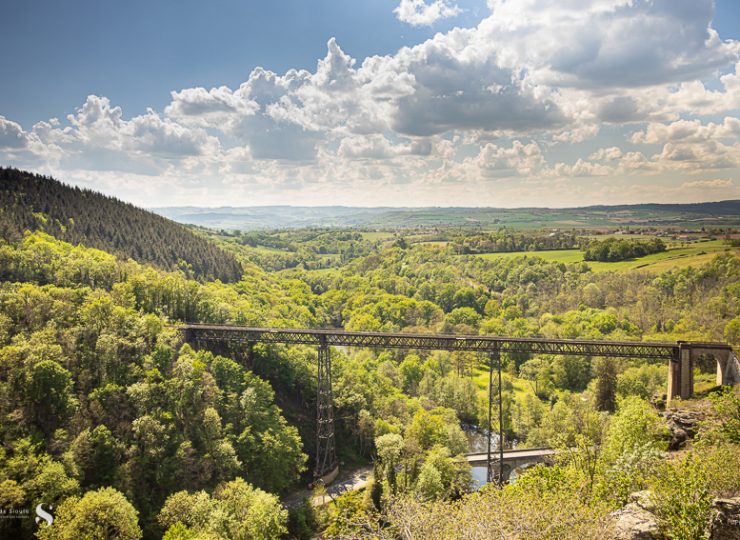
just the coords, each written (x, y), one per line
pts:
(448, 342)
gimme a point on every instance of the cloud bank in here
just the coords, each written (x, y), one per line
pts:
(549, 102)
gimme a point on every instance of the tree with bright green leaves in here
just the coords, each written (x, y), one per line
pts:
(732, 330)
(193, 510)
(571, 373)
(577, 429)
(682, 498)
(457, 393)
(464, 320)
(454, 474)
(236, 511)
(269, 449)
(635, 423)
(51, 484)
(539, 371)
(429, 486)
(592, 295)
(105, 513)
(411, 373)
(644, 381)
(632, 447)
(389, 447)
(428, 429)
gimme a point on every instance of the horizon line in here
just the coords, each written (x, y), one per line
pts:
(428, 207)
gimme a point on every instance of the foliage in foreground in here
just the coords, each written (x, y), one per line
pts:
(509, 513)
(606, 460)
(236, 511)
(104, 513)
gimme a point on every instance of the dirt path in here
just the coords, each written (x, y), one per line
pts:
(346, 481)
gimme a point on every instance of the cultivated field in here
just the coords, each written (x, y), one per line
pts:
(677, 256)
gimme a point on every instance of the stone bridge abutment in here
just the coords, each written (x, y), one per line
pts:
(686, 357)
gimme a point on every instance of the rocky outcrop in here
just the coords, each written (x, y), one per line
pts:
(636, 520)
(725, 521)
(683, 425)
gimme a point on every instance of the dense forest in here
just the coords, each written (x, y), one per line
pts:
(81, 216)
(126, 432)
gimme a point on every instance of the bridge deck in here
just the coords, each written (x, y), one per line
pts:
(450, 342)
(512, 455)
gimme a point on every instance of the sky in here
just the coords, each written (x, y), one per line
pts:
(503, 103)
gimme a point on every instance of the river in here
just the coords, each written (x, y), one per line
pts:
(478, 443)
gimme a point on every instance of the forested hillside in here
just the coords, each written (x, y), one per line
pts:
(33, 202)
(104, 415)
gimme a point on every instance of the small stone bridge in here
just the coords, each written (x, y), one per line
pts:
(513, 459)
(680, 355)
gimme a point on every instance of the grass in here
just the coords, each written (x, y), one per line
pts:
(521, 386)
(677, 256)
(704, 381)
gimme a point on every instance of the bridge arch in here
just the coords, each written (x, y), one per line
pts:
(686, 357)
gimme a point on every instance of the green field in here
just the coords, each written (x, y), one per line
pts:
(521, 386)
(677, 256)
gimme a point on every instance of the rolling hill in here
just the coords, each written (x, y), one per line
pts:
(695, 215)
(32, 202)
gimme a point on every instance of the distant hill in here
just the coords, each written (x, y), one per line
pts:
(712, 214)
(32, 202)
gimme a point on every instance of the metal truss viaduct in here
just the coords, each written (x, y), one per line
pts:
(680, 355)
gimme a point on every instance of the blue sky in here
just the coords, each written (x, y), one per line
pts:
(136, 52)
(501, 103)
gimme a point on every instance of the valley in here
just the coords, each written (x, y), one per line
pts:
(143, 417)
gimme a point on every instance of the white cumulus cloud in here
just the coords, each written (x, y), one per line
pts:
(423, 13)
(607, 43)
(12, 134)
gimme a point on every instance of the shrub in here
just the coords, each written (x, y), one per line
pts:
(682, 499)
(726, 405)
(507, 513)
